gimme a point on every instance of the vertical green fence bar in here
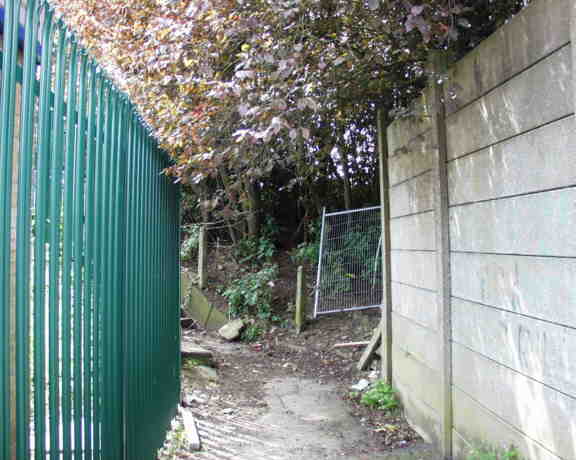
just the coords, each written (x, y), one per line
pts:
(89, 274)
(105, 314)
(152, 376)
(55, 242)
(23, 232)
(81, 342)
(8, 96)
(89, 348)
(98, 272)
(41, 227)
(66, 336)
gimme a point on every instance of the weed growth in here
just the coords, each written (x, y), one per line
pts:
(484, 453)
(190, 364)
(306, 253)
(254, 251)
(189, 247)
(251, 333)
(176, 442)
(381, 396)
(252, 293)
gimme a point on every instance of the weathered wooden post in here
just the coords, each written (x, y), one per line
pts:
(300, 313)
(202, 257)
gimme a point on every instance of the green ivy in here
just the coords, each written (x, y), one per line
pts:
(254, 251)
(252, 293)
(251, 333)
(189, 247)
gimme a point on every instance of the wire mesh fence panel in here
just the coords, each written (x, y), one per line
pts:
(350, 267)
(89, 269)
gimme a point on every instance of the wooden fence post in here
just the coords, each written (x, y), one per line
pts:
(438, 66)
(386, 325)
(202, 257)
(300, 313)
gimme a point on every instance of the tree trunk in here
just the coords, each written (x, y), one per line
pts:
(345, 178)
(225, 183)
(253, 207)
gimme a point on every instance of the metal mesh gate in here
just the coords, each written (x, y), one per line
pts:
(350, 267)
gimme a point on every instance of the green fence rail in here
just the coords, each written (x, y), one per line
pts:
(89, 269)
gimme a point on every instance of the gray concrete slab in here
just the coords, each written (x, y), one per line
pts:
(308, 421)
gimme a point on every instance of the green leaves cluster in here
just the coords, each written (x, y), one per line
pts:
(189, 247)
(381, 396)
(245, 90)
(254, 250)
(484, 453)
(251, 294)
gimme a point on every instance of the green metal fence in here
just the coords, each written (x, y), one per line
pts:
(89, 275)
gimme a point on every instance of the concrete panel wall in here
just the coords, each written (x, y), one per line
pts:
(414, 269)
(417, 304)
(517, 166)
(545, 416)
(512, 187)
(511, 180)
(527, 39)
(530, 286)
(417, 158)
(415, 339)
(514, 107)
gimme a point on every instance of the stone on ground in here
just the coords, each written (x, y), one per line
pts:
(232, 330)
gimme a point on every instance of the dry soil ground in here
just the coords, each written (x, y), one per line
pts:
(288, 397)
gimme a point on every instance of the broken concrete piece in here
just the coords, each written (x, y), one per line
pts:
(231, 331)
(190, 429)
(361, 385)
(374, 375)
(197, 306)
(189, 350)
(206, 373)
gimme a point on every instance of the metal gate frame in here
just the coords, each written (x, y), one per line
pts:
(355, 261)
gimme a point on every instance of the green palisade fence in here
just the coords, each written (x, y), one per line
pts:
(89, 265)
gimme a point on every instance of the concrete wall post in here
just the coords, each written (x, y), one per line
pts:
(386, 343)
(438, 66)
(572, 14)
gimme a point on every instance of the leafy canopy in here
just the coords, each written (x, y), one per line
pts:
(250, 84)
(255, 94)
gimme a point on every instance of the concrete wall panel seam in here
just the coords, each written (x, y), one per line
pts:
(503, 140)
(507, 197)
(512, 312)
(454, 108)
(540, 28)
(515, 107)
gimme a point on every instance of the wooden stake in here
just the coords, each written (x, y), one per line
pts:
(370, 350)
(300, 313)
(202, 257)
(351, 344)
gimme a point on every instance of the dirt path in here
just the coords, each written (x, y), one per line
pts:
(286, 398)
